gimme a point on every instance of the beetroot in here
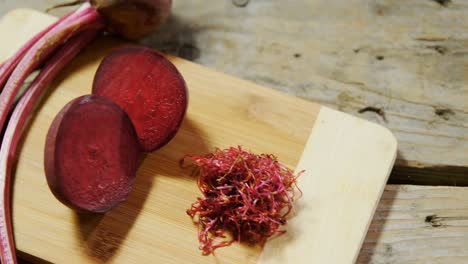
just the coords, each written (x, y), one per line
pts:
(133, 19)
(129, 18)
(149, 88)
(16, 124)
(91, 154)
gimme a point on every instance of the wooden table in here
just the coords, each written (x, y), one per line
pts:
(403, 64)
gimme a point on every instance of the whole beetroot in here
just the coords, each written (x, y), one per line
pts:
(133, 19)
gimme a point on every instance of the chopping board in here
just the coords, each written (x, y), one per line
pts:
(347, 161)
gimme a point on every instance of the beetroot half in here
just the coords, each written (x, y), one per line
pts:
(149, 88)
(91, 154)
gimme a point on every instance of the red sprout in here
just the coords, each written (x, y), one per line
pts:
(245, 195)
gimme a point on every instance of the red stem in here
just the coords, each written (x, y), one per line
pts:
(7, 68)
(15, 128)
(24, 62)
(84, 18)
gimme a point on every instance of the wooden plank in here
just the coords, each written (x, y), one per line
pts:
(152, 226)
(418, 224)
(407, 58)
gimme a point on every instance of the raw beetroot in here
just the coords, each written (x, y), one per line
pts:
(129, 18)
(149, 88)
(135, 18)
(17, 123)
(91, 154)
(93, 144)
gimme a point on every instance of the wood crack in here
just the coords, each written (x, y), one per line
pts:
(389, 96)
(434, 176)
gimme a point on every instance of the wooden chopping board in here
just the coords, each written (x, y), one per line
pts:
(347, 162)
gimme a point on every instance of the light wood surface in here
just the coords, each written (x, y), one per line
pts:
(151, 226)
(342, 187)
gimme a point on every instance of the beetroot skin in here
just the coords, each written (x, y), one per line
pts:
(91, 154)
(133, 19)
(149, 88)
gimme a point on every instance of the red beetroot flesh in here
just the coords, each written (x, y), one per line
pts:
(149, 88)
(91, 154)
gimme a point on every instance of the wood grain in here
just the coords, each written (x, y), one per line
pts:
(399, 232)
(342, 186)
(408, 58)
(152, 226)
(418, 224)
(220, 36)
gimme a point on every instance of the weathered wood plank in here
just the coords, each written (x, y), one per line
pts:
(418, 224)
(407, 58)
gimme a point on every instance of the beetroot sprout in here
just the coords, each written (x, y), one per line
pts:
(246, 197)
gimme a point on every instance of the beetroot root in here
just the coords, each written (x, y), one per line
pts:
(91, 154)
(133, 19)
(149, 88)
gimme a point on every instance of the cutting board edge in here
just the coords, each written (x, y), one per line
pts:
(386, 132)
(383, 141)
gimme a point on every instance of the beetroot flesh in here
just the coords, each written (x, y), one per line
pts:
(149, 88)
(91, 154)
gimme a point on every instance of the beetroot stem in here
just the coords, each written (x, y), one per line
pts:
(84, 18)
(15, 127)
(7, 68)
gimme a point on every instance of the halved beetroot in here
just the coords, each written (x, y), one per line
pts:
(149, 88)
(91, 154)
